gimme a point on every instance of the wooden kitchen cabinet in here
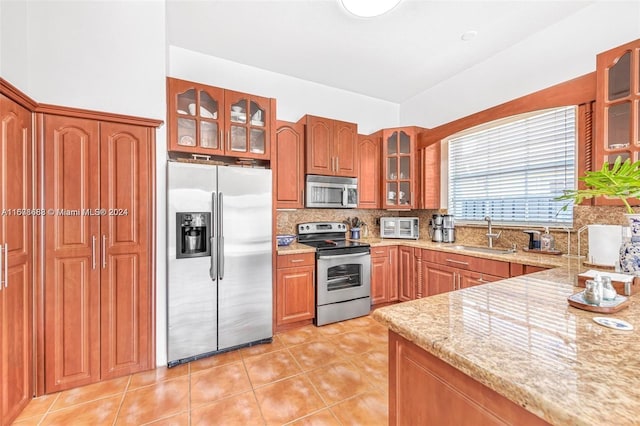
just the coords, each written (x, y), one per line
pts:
(289, 165)
(330, 147)
(369, 153)
(16, 252)
(384, 274)
(99, 179)
(518, 269)
(406, 274)
(295, 289)
(617, 108)
(399, 168)
(443, 271)
(210, 120)
(424, 390)
(430, 176)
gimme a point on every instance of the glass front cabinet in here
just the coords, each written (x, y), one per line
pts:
(399, 168)
(617, 107)
(213, 121)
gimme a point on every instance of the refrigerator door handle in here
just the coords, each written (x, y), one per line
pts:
(220, 236)
(213, 273)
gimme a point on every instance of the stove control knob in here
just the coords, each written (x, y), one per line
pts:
(307, 227)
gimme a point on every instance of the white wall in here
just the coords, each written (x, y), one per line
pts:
(295, 97)
(559, 53)
(106, 56)
(13, 42)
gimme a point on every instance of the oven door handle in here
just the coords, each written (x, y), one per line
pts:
(343, 256)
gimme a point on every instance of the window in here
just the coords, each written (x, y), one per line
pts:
(512, 170)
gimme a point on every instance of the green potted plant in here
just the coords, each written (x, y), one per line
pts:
(619, 181)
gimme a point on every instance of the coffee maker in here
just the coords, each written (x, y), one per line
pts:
(435, 228)
(448, 229)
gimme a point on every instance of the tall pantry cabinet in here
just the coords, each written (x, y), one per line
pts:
(99, 192)
(16, 251)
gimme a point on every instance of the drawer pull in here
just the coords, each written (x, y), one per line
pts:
(379, 252)
(458, 262)
(296, 260)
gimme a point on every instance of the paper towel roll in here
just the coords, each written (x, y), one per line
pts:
(604, 244)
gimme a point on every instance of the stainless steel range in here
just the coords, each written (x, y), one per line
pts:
(343, 272)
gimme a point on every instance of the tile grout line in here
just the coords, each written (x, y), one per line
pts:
(253, 391)
(124, 394)
(49, 408)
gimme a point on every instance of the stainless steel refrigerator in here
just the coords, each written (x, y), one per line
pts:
(219, 291)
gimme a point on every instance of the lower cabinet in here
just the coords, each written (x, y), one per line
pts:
(443, 272)
(295, 289)
(98, 287)
(384, 274)
(406, 274)
(424, 390)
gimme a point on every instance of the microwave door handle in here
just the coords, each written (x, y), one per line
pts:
(345, 195)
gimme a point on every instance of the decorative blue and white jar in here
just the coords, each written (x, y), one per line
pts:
(630, 249)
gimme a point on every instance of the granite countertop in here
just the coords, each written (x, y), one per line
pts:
(526, 258)
(520, 337)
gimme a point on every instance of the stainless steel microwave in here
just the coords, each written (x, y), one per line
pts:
(331, 192)
(400, 227)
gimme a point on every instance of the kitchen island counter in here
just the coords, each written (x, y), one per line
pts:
(520, 338)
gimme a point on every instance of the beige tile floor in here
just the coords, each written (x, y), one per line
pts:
(331, 375)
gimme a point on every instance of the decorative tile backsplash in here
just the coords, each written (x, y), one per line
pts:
(470, 235)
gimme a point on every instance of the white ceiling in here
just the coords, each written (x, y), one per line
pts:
(392, 57)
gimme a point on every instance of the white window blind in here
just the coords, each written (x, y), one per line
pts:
(513, 171)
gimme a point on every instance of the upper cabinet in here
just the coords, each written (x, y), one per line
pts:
(369, 151)
(399, 168)
(331, 147)
(617, 107)
(429, 175)
(213, 121)
(289, 165)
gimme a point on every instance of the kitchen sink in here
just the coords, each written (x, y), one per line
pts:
(486, 249)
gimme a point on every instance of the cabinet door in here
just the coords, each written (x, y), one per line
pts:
(196, 117)
(406, 265)
(289, 165)
(393, 274)
(379, 278)
(398, 167)
(430, 185)
(16, 362)
(344, 148)
(617, 108)
(126, 196)
(247, 125)
(295, 294)
(369, 150)
(72, 274)
(319, 149)
(438, 278)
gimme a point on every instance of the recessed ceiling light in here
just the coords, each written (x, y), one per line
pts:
(368, 8)
(469, 35)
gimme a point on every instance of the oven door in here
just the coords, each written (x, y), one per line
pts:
(343, 277)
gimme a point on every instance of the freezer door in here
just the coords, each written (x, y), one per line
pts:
(191, 293)
(244, 261)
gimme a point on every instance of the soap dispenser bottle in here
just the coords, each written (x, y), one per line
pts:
(547, 242)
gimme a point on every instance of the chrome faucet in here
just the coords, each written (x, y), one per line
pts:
(490, 234)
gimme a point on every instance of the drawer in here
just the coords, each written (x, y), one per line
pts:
(430, 256)
(477, 264)
(291, 260)
(379, 251)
